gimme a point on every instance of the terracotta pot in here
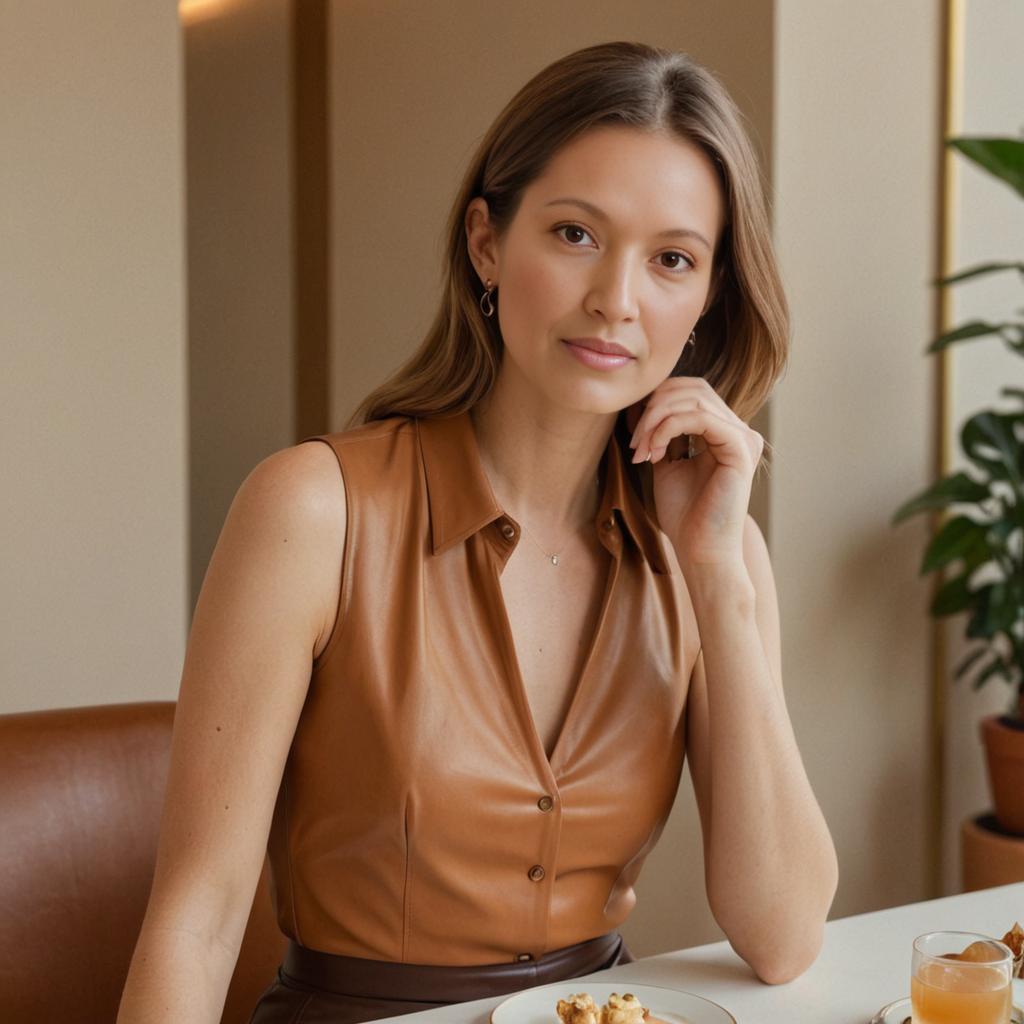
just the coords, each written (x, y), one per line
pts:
(1004, 747)
(989, 856)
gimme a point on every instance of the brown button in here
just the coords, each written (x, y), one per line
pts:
(536, 873)
(508, 530)
(545, 803)
(523, 956)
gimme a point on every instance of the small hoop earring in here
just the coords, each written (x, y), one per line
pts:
(692, 339)
(487, 310)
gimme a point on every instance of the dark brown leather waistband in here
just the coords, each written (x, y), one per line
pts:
(384, 979)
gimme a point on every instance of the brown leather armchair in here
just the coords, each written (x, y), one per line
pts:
(81, 791)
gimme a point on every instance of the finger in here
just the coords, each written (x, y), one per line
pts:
(724, 439)
(692, 400)
(671, 392)
(749, 439)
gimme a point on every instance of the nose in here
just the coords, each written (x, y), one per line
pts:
(613, 293)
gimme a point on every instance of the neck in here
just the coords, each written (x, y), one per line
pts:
(542, 462)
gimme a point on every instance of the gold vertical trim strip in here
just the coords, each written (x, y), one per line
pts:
(952, 120)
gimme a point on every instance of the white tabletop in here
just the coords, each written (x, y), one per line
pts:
(864, 964)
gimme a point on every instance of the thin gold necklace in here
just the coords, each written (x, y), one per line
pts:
(552, 557)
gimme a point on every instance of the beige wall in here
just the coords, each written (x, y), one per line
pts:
(989, 224)
(856, 176)
(93, 521)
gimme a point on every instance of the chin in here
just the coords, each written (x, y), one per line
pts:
(596, 405)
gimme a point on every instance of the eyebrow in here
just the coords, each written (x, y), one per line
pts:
(596, 211)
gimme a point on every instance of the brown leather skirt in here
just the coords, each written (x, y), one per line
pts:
(320, 988)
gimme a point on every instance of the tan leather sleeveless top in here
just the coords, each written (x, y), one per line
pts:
(419, 819)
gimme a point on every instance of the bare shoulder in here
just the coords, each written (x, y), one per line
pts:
(303, 482)
(300, 494)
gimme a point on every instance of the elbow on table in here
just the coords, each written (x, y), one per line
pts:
(788, 940)
(778, 965)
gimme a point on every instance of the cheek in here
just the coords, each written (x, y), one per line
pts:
(666, 338)
(535, 290)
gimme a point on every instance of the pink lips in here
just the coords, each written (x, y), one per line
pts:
(599, 345)
(597, 353)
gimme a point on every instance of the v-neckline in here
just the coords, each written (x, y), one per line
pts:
(550, 766)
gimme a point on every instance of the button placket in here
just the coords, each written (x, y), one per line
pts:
(549, 825)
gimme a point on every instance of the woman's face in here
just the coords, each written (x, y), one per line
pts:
(614, 241)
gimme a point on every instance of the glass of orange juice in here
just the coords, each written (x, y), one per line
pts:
(960, 976)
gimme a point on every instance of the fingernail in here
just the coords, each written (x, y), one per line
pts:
(636, 457)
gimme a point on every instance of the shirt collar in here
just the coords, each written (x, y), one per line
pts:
(461, 500)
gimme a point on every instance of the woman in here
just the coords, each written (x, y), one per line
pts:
(447, 662)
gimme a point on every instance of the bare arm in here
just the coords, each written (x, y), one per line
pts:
(770, 866)
(265, 610)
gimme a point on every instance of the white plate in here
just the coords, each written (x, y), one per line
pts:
(537, 1005)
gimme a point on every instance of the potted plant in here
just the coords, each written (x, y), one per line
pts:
(985, 532)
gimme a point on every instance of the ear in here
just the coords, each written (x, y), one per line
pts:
(481, 239)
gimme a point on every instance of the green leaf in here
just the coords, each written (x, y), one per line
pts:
(998, 608)
(993, 430)
(999, 531)
(1016, 343)
(965, 332)
(1004, 606)
(959, 537)
(953, 597)
(980, 625)
(971, 658)
(1001, 156)
(950, 490)
(995, 665)
(978, 270)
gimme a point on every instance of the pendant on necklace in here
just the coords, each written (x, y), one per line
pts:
(554, 559)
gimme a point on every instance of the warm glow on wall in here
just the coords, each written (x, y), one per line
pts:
(199, 8)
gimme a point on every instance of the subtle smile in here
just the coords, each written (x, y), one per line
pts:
(598, 354)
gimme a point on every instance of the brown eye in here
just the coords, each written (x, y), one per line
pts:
(682, 256)
(575, 228)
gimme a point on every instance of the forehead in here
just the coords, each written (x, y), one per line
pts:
(650, 179)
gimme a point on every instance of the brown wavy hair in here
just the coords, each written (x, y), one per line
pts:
(742, 341)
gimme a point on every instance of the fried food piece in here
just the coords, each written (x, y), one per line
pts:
(578, 1009)
(624, 1009)
(1014, 938)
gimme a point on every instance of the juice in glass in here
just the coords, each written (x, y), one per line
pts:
(951, 990)
(941, 994)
